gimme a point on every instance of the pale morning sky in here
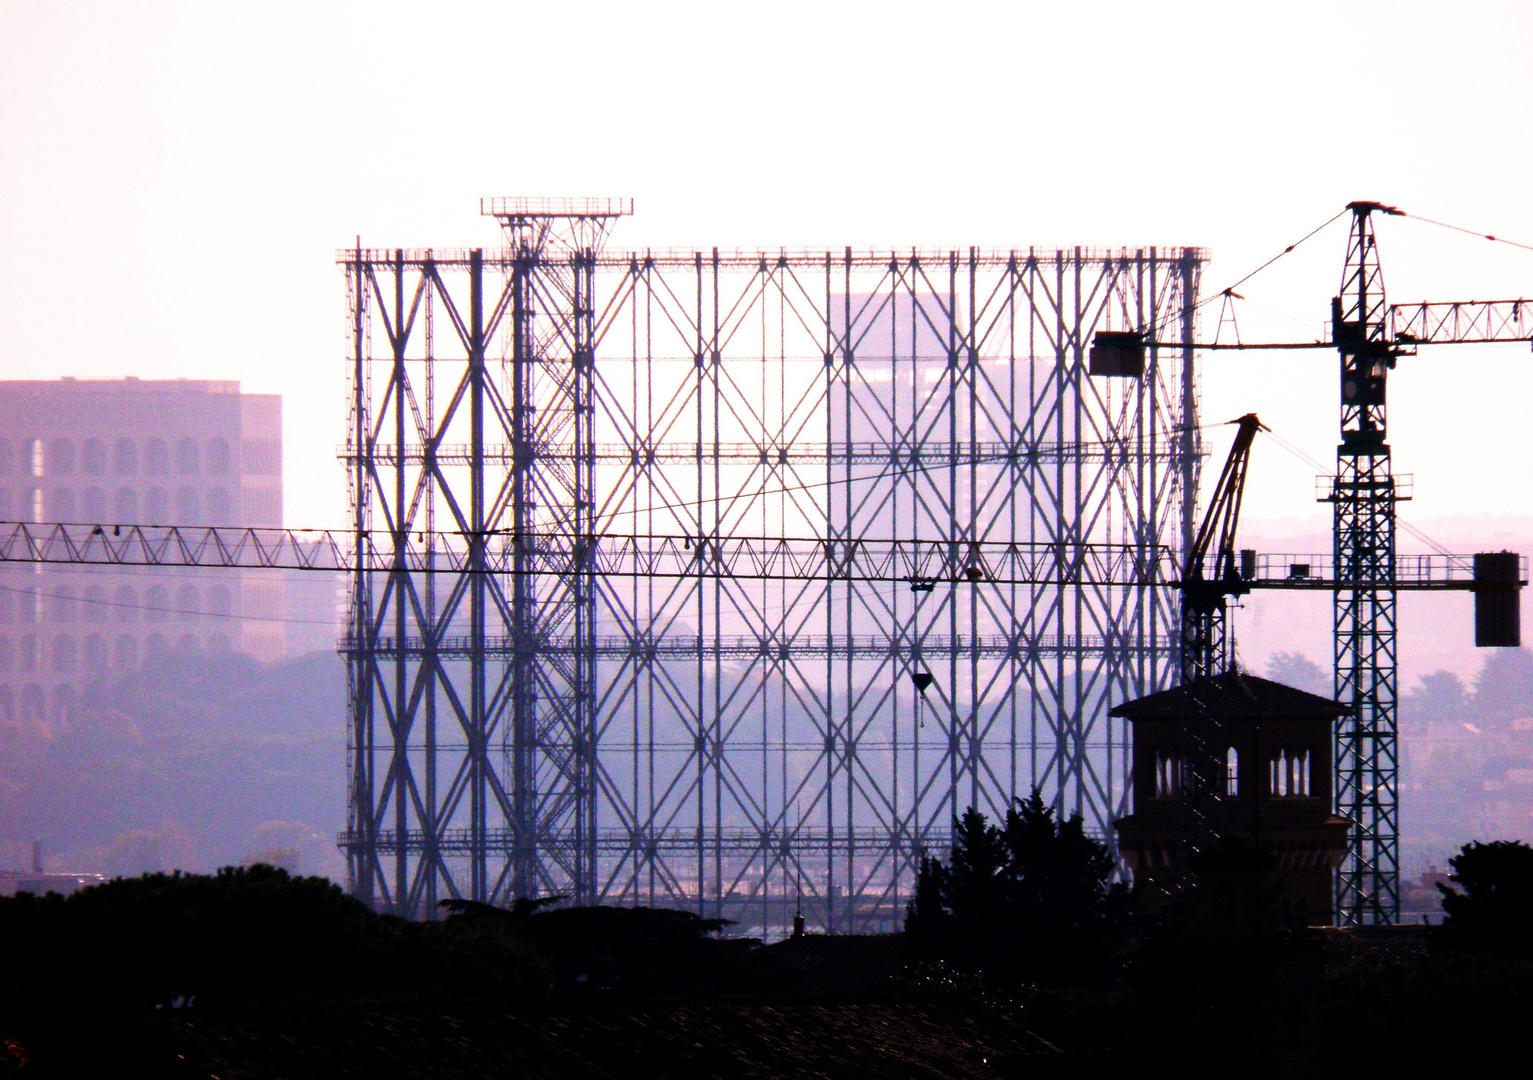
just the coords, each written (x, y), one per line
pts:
(176, 177)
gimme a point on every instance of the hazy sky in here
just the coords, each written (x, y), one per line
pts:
(175, 178)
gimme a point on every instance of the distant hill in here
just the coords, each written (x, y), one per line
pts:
(189, 764)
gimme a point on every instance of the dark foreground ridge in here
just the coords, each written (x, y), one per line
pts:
(936, 1037)
(252, 973)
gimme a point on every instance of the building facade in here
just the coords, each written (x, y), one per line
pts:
(1276, 840)
(131, 452)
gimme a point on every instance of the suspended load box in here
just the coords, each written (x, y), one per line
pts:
(1497, 600)
(1118, 354)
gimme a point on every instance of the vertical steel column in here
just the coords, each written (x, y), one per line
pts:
(1363, 499)
(582, 586)
(478, 729)
(399, 585)
(523, 676)
(1189, 436)
(362, 859)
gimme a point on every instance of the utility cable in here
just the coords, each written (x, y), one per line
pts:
(161, 610)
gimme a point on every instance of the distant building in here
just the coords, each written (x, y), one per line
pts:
(39, 882)
(131, 452)
(1278, 839)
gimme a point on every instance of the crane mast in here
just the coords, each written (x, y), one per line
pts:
(1363, 497)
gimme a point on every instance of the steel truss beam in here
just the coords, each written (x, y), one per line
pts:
(914, 563)
(1460, 322)
(595, 660)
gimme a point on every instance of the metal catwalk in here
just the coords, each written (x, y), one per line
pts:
(749, 744)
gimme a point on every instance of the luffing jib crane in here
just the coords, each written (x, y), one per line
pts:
(1211, 575)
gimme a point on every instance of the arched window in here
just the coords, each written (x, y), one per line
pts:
(63, 508)
(32, 702)
(156, 645)
(93, 457)
(7, 505)
(219, 507)
(63, 704)
(1289, 774)
(7, 654)
(1169, 779)
(186, 457)
(26, 605)
(156, 506)
(156, 458)
(61, 458)
(6, 596)
(7, 705)
(93, 505)
(95, 655)
(26, 652)
(64, 653)
(187, 511)
(188, 604)
(61, 603)
(125, 506)
(1232, 773)
(94, 607)
(6, 462)
(157, 601)
(125, 657)
(125, 457)
(125, 605)
(218, 457)
(186, 645)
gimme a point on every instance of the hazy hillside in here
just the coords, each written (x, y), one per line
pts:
(188, 764)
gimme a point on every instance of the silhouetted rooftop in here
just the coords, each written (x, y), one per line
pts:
(1235, 693)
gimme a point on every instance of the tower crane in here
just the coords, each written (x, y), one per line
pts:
(1366, 571)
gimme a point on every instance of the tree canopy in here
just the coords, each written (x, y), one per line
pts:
(1491, 911)
(1031, 899)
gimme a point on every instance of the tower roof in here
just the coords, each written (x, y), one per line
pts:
(1234, 694)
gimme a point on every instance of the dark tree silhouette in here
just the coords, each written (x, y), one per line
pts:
(1029, 900)
(1492, 909)
(245, 934)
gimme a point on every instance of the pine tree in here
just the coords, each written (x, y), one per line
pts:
(1030, 900)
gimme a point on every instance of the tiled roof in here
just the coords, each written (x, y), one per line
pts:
(1234, 693)
(935, 1037)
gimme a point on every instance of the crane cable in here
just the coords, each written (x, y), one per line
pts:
(1320, 469)
(1211, 297)
(1469, 232)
